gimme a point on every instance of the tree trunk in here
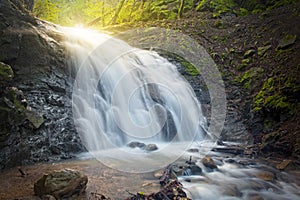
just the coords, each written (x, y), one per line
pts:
(103, 8)
(180, 9)
(119, 8)
(132, 7)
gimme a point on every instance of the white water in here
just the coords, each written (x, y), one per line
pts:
(240, 178)
(123, 94)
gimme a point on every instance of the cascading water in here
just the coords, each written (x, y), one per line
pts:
(124, 94)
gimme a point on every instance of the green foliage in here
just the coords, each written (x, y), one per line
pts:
(250, 76)
(47, 10)
(189, 68)
(6, 74)
(272, 97)
(240, 8)
(106, 12)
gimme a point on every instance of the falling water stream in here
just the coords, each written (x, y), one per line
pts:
(123, 94)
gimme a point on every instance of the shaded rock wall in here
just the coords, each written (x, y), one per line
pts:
(41, 74)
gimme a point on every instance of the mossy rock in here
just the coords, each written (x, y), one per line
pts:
(35, 119)
(6, 74)
(287, 41)
(11, 109)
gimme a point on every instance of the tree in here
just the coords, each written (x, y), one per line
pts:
(180, 10)
(120, 5)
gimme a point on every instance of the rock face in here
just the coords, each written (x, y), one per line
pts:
(61, 184)
(37, 89)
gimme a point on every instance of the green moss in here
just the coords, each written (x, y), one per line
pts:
(287, 41)
(250, 76)
(242, 12)
(191, 69)
(6, 74)
(272, 96)
(262, 50)
(277, 101)
(241, 66)
(249, 53)
(219, 24)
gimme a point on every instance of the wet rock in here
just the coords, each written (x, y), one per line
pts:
(209, 162)
(159, 173)
(136, 144)
(193, 150)
(231, 190)
(48, 197)
(196, 170)
(230, 150)
(266, 176)
(95, 195)
(287, 41)
(61, 184)
(55, 149)
(31, 198)
(150, 147)
(283, 164)
(34, 118)
(254, 197)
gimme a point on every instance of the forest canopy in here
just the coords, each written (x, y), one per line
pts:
(109, 12)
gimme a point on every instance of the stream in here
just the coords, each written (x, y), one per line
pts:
(123, 94)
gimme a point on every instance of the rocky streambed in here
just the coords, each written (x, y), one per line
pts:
(226, 172)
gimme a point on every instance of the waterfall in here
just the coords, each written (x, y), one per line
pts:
(123, 94)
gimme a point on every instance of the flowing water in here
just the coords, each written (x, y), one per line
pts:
(239, 177)
(123, 94)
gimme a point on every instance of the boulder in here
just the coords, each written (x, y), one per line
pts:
(136, 144)
(150, 147)
(61, 184)
(209, 162)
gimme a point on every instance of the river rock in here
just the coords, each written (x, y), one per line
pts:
(150, 147)
(136, 144)
(61, 184)
(196, 170)
(283, 164)
(266, 176)
(209, 162)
